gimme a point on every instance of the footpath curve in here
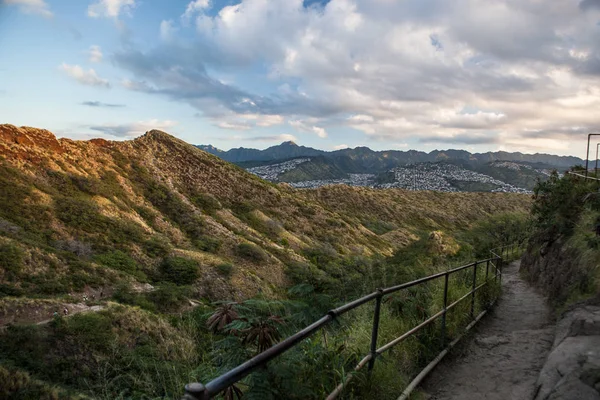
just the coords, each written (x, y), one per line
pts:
(507, 352)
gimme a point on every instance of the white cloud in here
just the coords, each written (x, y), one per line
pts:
(133, 129)
(233, 126)
(270, 138)
(32, 7)
(305, 126)
(95, 54)
(195, 7)
(340, 147)
(88, 77)
(167, 29)
(110, 8)
(395, 69)
(244, 122)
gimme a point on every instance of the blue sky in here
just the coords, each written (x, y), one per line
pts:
(423, 74)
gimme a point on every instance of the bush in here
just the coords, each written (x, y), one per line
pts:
(209, 244)
(8, 290)
(251, 252)
(117, 260)
(206, 202)
(79, 213)
(121, 261)
(169, 297)
(225, 269)
(157, 246)
(11, 258)
(322, 255)
(179, 270)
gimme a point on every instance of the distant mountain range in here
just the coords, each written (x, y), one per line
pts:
(364, 160)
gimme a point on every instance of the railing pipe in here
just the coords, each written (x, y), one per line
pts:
(473, 291)
(446, 277)
(375, 331)
(198, 391)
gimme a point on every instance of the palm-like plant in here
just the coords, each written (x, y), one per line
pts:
(264, 332)
(225, 314)
(232, 393)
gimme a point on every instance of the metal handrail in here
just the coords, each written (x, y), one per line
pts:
(198, 391)
(581, 175)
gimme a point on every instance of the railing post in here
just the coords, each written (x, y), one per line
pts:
(375, 330)
(487, 269)
(473, 290)
(445, 309)
(195, 391)
(501, 266)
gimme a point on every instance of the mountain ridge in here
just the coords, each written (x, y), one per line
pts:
(393, 157)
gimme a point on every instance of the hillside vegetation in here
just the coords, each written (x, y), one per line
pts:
(155, 231)
(563, 257)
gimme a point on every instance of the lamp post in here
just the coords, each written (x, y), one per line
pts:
(587, 154)
(596, 167)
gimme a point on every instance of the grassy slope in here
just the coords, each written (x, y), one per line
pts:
(123, 186)
(107, 217)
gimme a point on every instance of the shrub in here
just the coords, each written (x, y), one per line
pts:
(11, 258)
(209, 244)
(251, 252)
(179, 270)
(225, 269)
(206, 202)
(121, 261)
(169, 297)
(8, 290)
(117, 260)
(322, 254)
(79, 213)
(157, 246)
(125, 295)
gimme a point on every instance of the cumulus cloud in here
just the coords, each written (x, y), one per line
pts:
(101, 104)
(195, 7)
(95, 54)
(340, 147)
(39, 7)
(84, 77)
(133, 129)
(110, 8)
(392, 70)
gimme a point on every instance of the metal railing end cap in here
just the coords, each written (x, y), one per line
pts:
(195, 388)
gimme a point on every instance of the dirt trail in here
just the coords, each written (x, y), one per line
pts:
(507, 352)
(42, 315)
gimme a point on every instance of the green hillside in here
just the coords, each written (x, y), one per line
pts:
(171, 262)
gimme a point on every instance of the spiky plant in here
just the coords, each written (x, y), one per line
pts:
(225, 314)
(263, 332)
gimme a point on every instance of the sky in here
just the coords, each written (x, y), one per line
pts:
(480, 75)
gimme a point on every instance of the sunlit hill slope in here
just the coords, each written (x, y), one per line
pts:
(76, 215)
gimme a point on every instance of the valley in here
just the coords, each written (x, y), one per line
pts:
(448, 171)
(155, 236)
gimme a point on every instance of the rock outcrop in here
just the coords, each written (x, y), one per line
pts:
(572, 371)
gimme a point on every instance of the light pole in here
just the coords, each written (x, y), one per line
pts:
(596, 167)
(587, 153)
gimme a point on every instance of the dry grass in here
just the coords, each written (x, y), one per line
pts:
(282, 220)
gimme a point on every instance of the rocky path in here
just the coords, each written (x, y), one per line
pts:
(507, 352)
